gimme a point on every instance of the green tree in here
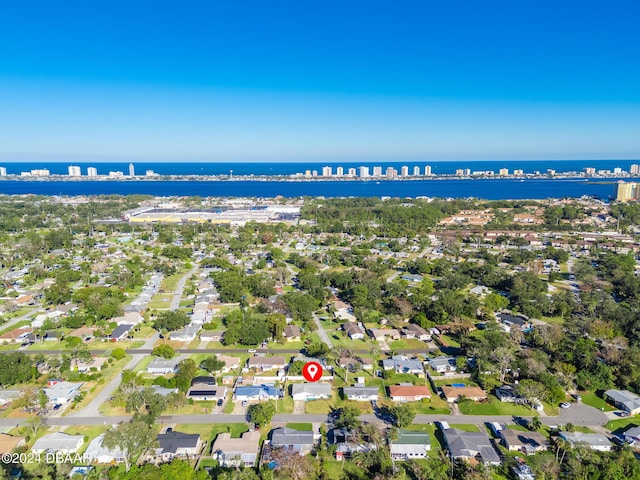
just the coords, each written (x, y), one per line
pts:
(118, 353)
(346, 417)
(164, 350)
(146, 404)
(261, 414)
(133, 438)
(15, 367)
(171, 320)
(187, 370)
(212, 364)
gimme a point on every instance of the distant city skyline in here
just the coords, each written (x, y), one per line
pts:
(296, 82)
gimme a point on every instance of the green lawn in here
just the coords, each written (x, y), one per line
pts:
(208, 431)
(623, 423)
(17, 325)
(408, 344)
(318, 406)
(284, 405)
(494, 407)
(435, 405)
(300, 426)
(591, 399)
(465, 427)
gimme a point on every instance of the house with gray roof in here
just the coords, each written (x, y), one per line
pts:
(162, 366)
(593, 441)
(257, 393)
(301, 441)
(410, 445)
(58, 442)
(353, 330)
(120, 332)
(361, 393)
(8, 396)
(624, 400)
(62, 392)
(172, 444)
(98, 453)
(524, 442)
(187, 334)
(236, 452)
(310, 391)
(471, 445)
(632, 435)
(443, 364)
(402, 364)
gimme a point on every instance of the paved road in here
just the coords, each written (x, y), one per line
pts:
(93, 408)
(322, 333)
(19, 319)
(147, 351)
(582, 415)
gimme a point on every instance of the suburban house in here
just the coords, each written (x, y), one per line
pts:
(95, 364)
(509, 321)
(186, 334)
(348, 444)
(594, 441)
(310, 391)
(471, 446)
(162, 366)
(412, 277)
(452, 394)
(291, 333)
(62, 392)
(172, 444)
(381, 334)
(367, 363)
(8, 443)
(507, 394)
(120, 332)
(17, 335)
(98, 453)
(205, 388)
(353, 330)
(257, 393)
(58, 442)
(416, 331)
(402, 364)
(624, 400)
(406, 392)
(361, 393)
(236, 452)
(211, 335)
(410, 445)
(292, 440)
(262, 364)
(230, 363)
(525, 442)
(8, 396)
(443, 365)
(632, 435)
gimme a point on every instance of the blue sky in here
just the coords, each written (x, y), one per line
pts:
(297, 80)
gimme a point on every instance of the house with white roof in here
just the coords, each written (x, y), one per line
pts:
(310, 391)
(62, 392)
(98, 453)
(58, 442)
(594, 441)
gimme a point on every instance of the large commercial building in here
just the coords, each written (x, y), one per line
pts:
(92, 172)
(74, 171)
(626, 191)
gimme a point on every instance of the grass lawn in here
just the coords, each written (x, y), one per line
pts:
(318, 406)
(494, 407)
(89, 432)
(408, 344)
(284, 405)
(17, 325)
(160, 301)
(593, 400)
(465, 427)
(300, 426)
(192, 409)
(435, 405)
(334, 469)
(208, 431)
(170, 283)
(449, 341)
(142, 366)
(93, 388)
(623, 424)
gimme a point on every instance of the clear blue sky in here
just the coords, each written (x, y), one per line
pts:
(310, 80)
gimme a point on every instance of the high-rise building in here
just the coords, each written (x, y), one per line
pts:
(416, 171)
(617, 171)
(307, 173)
(634, 170)
(377, 171)
(132, 170)
(40, 172)
(327, 171)
(340, 172)
(92, 172)
(151, 173)
(504, 172)
(74, 171)
(364, 172)
(404, 171)
(591, 170)
(518, 172)
(626, 191)
(391, 172)
(3, 171)
(427, 171)
(351, 172)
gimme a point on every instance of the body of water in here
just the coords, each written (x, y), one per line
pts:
(491, 189)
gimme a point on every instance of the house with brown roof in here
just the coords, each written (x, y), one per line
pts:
(17, 335)
(452, 394)
(521, 441)
(408, 392)
(8, 443)
(353, 330)
(230, 363)
(267, 363)
(292, 333)
(235, 452)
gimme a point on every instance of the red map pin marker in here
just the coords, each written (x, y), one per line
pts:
(312, 372)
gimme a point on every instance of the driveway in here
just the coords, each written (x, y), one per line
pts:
(579, 414)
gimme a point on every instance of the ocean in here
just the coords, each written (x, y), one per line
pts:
(492, 189)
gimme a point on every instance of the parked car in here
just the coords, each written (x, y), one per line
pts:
(244, 403)
(252, 350)
(565, 405)
(57, 406)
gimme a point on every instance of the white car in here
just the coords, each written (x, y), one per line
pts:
(565, 405)
(252, 350)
